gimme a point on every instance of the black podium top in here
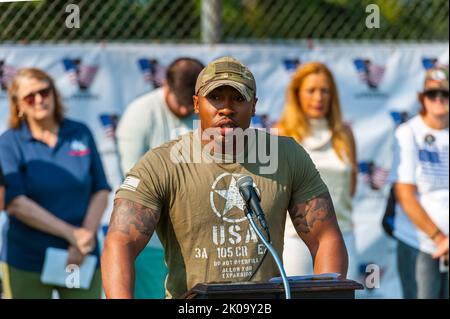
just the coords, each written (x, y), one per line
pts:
(308, 289)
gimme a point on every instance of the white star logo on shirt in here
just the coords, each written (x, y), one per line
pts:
(233, 199)
(232, 196)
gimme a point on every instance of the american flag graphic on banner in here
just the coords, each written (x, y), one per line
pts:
(146, 69)
(373, 175)
(399, 117)
(87, 74)
(154, 73)
(429, 63)
(81, 74)
(7, 73)
(109, 124)
(71, 69)
(370, 73)
(291, 64)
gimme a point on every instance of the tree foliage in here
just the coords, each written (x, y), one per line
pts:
(242, 20)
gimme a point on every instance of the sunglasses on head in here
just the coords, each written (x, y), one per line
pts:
(30, 98)
(433, 94)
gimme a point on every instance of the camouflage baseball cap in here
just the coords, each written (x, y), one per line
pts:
(436, 79)
(226, 71)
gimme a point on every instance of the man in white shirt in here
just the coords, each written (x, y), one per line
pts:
(420, 172)
(149, 121)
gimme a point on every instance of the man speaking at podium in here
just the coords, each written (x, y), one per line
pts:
(187, 191)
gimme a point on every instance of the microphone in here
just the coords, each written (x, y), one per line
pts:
(251, 199)
(252, 206)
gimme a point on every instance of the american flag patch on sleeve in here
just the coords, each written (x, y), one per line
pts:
(130, 183)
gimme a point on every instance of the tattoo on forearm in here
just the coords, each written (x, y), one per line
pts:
(127, 213)
(304, 215)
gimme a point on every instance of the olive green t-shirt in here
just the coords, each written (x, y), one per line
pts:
(202, 227)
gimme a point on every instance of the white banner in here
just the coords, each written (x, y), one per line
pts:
(377, 83)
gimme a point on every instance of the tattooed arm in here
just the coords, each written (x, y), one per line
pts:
(130, 229)
(316, 223)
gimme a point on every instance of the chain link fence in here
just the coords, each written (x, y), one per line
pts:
(222, 21)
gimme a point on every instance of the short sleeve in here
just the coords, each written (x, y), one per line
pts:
(306, 180)
(403, 169)
(147, 182)
(99, 181)
(12, 166)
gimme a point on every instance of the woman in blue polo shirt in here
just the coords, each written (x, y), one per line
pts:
(2, 190)
(56, 189)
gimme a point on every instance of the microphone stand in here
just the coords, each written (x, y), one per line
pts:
(249, 214)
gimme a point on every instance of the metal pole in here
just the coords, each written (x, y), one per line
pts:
(211, 18)
(287, 288)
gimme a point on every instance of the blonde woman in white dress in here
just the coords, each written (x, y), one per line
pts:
(312, 116)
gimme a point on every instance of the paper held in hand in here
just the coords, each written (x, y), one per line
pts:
(57, 272)
(327, 276)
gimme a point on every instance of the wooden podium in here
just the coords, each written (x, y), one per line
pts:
(302, 289)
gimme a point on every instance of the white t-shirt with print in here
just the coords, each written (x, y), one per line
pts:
(421, 159)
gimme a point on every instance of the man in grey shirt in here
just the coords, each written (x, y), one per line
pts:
(149, 121)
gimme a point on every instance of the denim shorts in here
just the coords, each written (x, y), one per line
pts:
(419, 274)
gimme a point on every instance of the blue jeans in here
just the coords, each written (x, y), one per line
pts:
(420, 275)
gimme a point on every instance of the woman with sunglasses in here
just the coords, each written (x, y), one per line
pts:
(57, 189)
(420, 175)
